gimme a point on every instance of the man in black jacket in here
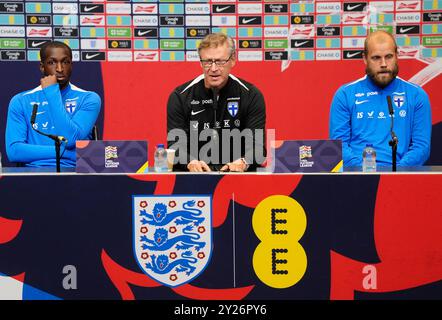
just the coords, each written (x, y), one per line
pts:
(220, 118)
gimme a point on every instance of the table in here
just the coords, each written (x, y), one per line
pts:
(348, 235)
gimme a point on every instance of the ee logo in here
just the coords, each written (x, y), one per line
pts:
(279, 260)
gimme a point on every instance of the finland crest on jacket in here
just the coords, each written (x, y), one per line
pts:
(172, 236)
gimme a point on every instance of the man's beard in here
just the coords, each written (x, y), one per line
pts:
(382, 82)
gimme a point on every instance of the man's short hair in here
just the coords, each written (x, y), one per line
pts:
(53, 44)
(214, 40)
(375, 33)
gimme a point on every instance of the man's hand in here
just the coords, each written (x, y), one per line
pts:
(235, 166)
(48, 81)
(198, 166)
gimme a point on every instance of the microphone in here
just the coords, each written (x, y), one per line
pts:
(390, 106)
(215, 106)
(34, 114)
(53, 137)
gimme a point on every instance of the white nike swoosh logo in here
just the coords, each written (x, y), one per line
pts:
(350, 7)
(196, 112)
(142, 33)
(247, 20)
(298, 44)
(350, 55)
(36, 44)
(221, 9)
(403, 30)
(88, 56)
(359, 102)
(41, 112)
(87, 9)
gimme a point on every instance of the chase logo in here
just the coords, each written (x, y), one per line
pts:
(172, 236)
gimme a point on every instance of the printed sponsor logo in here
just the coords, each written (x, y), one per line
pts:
(177, 44)
(36, 43)
(328, 7)
(276, 44)
(197, 32)
(171, 20)
(224, 20)
(144, 8)
(328, 55)
(275, 32)
(432, 16)
(146, 32)
(388, 29)
(408, 29)
(276, 8)
(192, 56)
(358, 102)
(38, 20)
(408, 5)
(250, 20)
(276, 55)
(146, 56)
(145, 20)
(381, 6)
(119, 56)
(93, 56)
(38, 32)
(250, 44)
(12, 31)
(328, 31)
(94, 44)
(66, 32)
(222, 9)
(302, 19)
(352, 18)
(302, 31)
(118, 8)
(353, 42)
(92, 20)
(432, 41)
(119, 44)
(353, 54)
(355, 6)
(408, 53)
(197, 20)
(12, 43)
(119, 32)
(65, 8)
(12, 7)
(197, 9)
(250, 56)
(13, 55)
(91, 8)
(408, 17)
(249, 8)
(307, 43)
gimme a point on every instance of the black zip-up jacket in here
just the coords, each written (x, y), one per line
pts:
(240, 105)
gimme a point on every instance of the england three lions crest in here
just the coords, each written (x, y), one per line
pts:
(172, 236)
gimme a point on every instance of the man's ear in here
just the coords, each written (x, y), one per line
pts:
(41, 68)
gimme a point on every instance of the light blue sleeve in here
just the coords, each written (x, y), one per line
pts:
(340, 127)
(16, 137)
(419, 149)
(80, 125)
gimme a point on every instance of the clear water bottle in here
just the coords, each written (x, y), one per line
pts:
(160, 156)
(369, 159)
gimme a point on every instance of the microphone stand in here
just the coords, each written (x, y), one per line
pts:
(57, 139)
(394, 140)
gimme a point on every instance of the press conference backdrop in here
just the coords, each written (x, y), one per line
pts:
(134, 53)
